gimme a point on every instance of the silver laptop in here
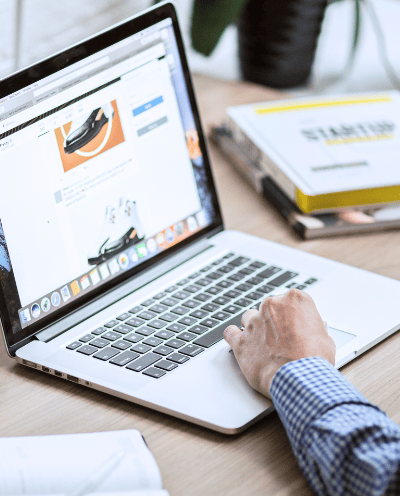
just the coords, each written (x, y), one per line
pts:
(116, 271)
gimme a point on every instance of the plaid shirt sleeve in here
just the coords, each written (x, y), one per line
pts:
(343, 444)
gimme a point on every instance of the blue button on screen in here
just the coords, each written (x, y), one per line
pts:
(147, 106)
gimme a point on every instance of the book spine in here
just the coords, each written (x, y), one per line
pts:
(264, 161)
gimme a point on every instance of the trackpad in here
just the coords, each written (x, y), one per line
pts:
(340, 337)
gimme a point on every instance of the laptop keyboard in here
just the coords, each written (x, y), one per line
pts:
(172, 327)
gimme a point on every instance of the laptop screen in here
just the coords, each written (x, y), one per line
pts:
(102, 171)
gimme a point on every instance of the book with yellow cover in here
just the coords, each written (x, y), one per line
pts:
(326, 154)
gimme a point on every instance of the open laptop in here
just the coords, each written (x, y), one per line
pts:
(116, 271)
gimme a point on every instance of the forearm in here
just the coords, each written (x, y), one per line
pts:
(343, 444)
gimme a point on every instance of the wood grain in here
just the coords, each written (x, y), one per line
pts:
(194, 460)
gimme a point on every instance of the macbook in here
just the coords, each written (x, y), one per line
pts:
(116, 270)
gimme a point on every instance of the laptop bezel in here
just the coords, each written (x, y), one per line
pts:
(60, 61)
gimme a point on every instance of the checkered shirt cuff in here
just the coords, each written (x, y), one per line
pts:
(304, 390)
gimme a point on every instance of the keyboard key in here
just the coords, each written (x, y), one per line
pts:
(217, 262)
(124, 358)
(168, 317)
(301, 286)
(282, 279)
(111, 335)
(124, 316)
(186, 336)
(74, 345)
(178, 358)
(191, 303)
(112, 323)
(133, 338)
(255, 280)
(146, 315)
(243, 302)
(157, 324)
(175, 343)
(121, 345)
(215, 335)
(210, 307)
(221, 316)
(171, 289)
(265, 289)
(136, 309)
(191, 350)
(87, 350)
(206, 268)
(246, 271)
(232, 309)
(198, 329)
(142, 362)
(180, 310)
(176, 327)
(237, 277)
(204, 282)
(123, 329)
(195, 275)
(257, 265)
(203, 297)
(192, 288)
(99, 331)
(145, 331)
(232, 294)
(163, 350)
(106, 354)
(141, 348)
(187, 321)
(148, 302)
(214, 290)
(165, 365)
(239, 261)
(135, 322)
(215, 275)
(170, 302)
(164, 334)
(311, 280)
(243, 287)
(183, 282)
(225, 284)
(269, 272)
(226, 269)
(153, 372)
(228, 255)
(100, 343)
(254, 295)
(158, 296)
(86, 338)
(153, 341)
(209, 322)
(221, 300)
(290, 285)
(181, 295)
(199, 314)
(158, 308)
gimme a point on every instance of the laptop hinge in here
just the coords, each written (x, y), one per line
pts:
(123, 290)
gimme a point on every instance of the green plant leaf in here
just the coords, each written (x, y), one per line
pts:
(210, 19)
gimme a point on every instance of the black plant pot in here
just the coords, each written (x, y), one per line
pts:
(277, 40)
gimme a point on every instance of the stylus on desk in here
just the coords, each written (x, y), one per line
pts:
(100, 474)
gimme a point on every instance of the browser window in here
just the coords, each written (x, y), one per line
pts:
(103, 171)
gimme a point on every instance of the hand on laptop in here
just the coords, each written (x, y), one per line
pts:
(285, 328)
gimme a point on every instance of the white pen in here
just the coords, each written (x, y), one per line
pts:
(101, 473)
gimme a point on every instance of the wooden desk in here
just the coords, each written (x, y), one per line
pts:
(194, 461)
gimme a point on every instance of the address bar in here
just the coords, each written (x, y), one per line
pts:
(71, 76)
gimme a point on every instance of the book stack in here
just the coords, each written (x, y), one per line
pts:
(329, 166)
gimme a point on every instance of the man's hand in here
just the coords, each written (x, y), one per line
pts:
(285, 328)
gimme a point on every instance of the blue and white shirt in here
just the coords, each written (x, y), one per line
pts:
(344, 445)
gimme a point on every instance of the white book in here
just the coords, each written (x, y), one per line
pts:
(326, 153)
(101, 464)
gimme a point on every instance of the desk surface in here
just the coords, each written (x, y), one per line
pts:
(194, 460)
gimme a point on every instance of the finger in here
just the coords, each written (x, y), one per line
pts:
(247, 316)
(231, 335)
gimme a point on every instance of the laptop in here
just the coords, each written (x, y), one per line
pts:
(116, 270)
